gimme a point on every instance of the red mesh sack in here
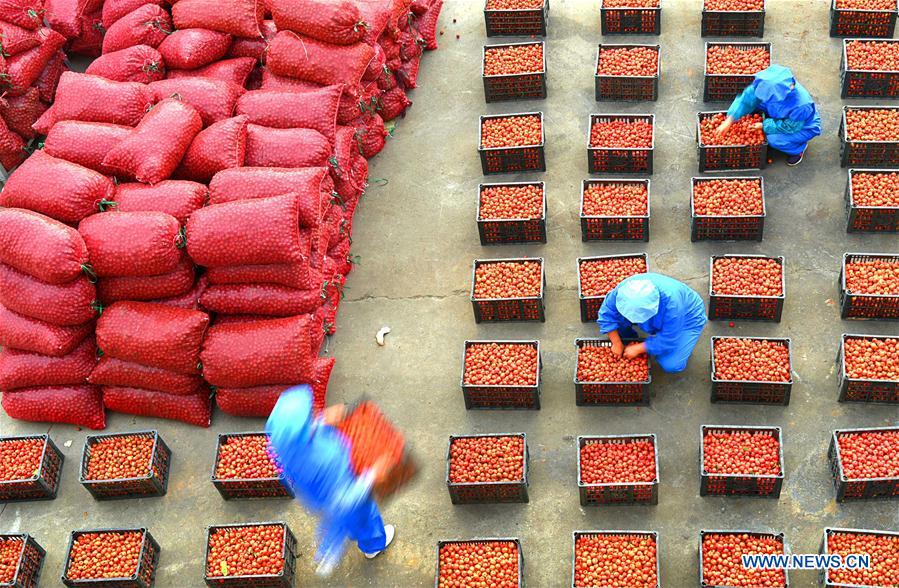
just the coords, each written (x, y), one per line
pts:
(355, 103)
(257, 353)
(370, 134)
(193, 48)
(284, 109)
(178, 198)
(234, 71)
(194, 409)
(84, 143)
(113, 10)
(221, 145)
(268, 147)
(307, 59)
(249, 402)
(376, 16)
(20, 112)
(394, 103)
(410, 46)
(155, 335)
(272, 81)
(419, 7)
(25, 13)
(64, 16)
(147, 25)
(347, 179)
(138, 63)
(300, 276)
(148, 288)
(40, 246)
(427, 24)
(49, 79)
(67, 304)
(377, 67)
(189, 300)
(23, 69)
(261, 299)
(153, 151)
(213, 99)
(81, 406)
(262, 182)
(12, 148)
(89, 42)
(94, 99)
(333, 21)
(16, 39)
(132, 243)
(28, 334)
(254, 47)
(116, 372)
(322, 367)
(240, 18)
(24, 369)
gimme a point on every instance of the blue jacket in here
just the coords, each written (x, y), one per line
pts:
(792, 118)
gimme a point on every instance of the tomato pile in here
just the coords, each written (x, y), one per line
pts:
(615, 560)
(747, 276)
(722, 563)
(875, 189)
(485, 563)
(866, 4)
(872, 454)
(731, 59)
(734, 5)
(246, 457)
(751, 360)
(372, 437)
(20, 459)
(600, 276)
(511, 131)
(628, 61)
(754, 453)
(728, 198)
(630, 3)
(494, 364)
(104, 555)
(871, 359)
(120, 458)
(246, 551)
(616, 199)
(515, 59)
(507, 202)
(878, 124)
(740, 133)
(486, 459)
(514, 4)
(10, 553)
(618, 463)
(882, 549)
(872, 55)
(879, 276)
(599, 364)
(624, 134)
(507, 279)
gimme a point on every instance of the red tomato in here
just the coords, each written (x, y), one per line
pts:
(722, 563)
(516, 59)
(882, 550)
(486, 459)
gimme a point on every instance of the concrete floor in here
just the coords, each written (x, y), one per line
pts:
(417, 239)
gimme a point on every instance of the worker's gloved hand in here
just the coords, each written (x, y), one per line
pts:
(617, 348)
(725, 125)
(634, 351)
(758, 126)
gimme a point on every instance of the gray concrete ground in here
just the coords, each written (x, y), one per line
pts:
(417, 239)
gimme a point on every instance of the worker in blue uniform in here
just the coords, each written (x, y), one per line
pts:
(791, 117)
(670, 312)
(315, 458)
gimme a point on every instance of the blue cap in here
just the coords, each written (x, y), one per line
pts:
(774, 83)
(637, 299)
(290, 423)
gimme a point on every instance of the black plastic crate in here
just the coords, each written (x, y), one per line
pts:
(617, 493)
(285, 579)
(867, 154)
(742, 485)
(727, 227)
(631, 21)
(624, 160)
(858, 390)
(516, 23)
(488, 492)
(521, 86)
(247, 488)
(857, 83)
(733, 23)
(495, 310)
(845, 22)
(867, 306)
(144, 576)
(870, 219)
(154, 483)
(512, 160)
(824, 548)
(643, 534)
(752, 392)
(513, 230)
(704, 532)
(480, 540)
(726, 87)
(44, 484)
(590, 305)
(714, 158)
(627, 88)
(494, 397)
(610, 393)
(858, 488)
(30, 563)
(746, 308)
(614, 228)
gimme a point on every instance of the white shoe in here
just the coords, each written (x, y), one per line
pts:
(390, 531)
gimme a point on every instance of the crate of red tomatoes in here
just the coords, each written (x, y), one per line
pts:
(602, 378)
(631, 17)
(616, 558)
(746, 287)
(271, 565)
(869, 137)
(880, 546)
(501, 374)
(516, 18)
(21, 561)
(480, 562)
(29, 468)
(869, 286)
(872, 201)
(737, 460)
(862, 18)
(869, 69)
(721, 559)
(730, 67)
(751, 370)
(514, 71)
(733, 18)
(615, 210)
(505, 290)
(742, 147)
(487, 469)
(513, 212)
(869, 369)
(865, 463)
(125, 465)
(597, 276)
(245, 467)
(618, 469)
(627, 73)
(620, 143)
(113, 558)
(731, 209)
(512, 143)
